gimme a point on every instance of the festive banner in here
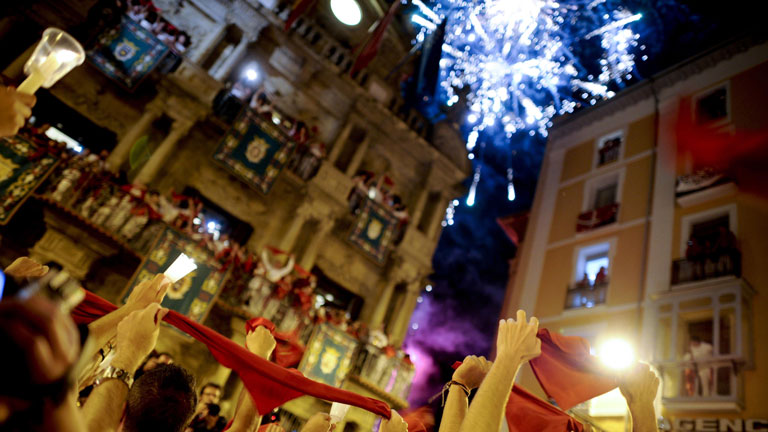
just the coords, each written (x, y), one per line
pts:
(255, 150)
(127, 53)
(329, 355)
(194, 294)
(374, 229)
(23, 167)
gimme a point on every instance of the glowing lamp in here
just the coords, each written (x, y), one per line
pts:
(338, 412)
(617, 354)
(182, 266)
(348, 12)
(56, 54)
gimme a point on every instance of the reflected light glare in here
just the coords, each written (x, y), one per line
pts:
(347, 11)
(617, 354)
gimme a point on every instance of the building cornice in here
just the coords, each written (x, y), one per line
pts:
(568, 124)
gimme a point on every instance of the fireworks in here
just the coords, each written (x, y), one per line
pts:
(521, 58)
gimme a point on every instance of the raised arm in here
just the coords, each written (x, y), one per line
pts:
(136, 337)
(516, 344)
(247, 418)
(466, 378)
(639, 387)
(103, 329)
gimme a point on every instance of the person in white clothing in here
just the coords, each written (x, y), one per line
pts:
(700, 353)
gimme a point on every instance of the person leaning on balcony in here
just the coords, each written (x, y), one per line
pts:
(601, 277)
(701, 352)
(724, 250)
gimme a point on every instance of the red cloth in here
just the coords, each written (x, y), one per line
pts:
(252, 323)
(289, 349)
(567, 372)
(371, 47)
(269, 384)
(302, 6)
(527, 413)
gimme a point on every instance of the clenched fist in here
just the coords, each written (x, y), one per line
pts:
(517, 341)
(472, 371)
(639, 385)
(260, 342)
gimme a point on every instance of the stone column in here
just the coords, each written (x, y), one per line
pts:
(120, 153)
(208, 44)
(400, 327)
(179, 128)
(439, 214)
(237, 54)
(289, 239)
(310, 255)
(338, 145)
(357, 158)
(385, 297)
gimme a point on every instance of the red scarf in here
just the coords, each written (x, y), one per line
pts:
(567, 372)
(527, 413)
(269, 384)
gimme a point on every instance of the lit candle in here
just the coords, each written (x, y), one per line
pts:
(183, 266)
(56, 54)
(338, 412)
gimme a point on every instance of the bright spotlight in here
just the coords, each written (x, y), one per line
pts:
(347, 11)
(251, 74)
(617, 354)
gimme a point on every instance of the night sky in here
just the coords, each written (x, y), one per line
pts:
(459, 316)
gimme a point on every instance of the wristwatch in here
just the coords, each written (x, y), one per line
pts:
(112, 372)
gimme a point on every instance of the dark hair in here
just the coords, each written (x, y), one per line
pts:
(695, 339)
(213, 409)
(210, 384)
(162, 400)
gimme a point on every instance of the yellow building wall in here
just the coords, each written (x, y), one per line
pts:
(567, 210)
(624, 273)
(636, 187)
(639, 136)
(578, 160)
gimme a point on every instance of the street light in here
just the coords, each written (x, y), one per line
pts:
(347, 11)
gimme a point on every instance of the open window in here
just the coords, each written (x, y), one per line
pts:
(702, 343)
(709, 246)
(601, 201)
(590, 277)
(712, 106)
(609, 149)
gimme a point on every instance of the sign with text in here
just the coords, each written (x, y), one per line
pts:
(719, 425)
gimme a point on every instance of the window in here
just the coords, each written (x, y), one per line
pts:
(609, 148)
(712, 106)
(605, 196)
(600, 205)
(590, 277)
(702, 342)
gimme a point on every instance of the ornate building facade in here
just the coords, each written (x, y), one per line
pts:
(168, 125)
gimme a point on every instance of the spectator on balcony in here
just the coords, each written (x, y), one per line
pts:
(695, 254)
(584, 282)
(150, 21)
(310, 163)
(299, 133)
(725, 250)
(700, 353)
(261, 104)
(401, 213)
(601, 277)
(137, 12)
(181, 42)
(362, 183)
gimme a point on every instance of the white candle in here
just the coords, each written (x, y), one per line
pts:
(338, 412)
(183, 266)
(56, 54)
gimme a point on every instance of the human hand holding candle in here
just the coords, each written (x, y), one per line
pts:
(56, 54)
(338, 412)
(182, 266)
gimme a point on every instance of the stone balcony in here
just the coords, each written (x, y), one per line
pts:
(196, 81)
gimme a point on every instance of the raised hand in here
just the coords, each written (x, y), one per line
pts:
(15, 109)
(517, 341)
(472, 371)
(25, 267)
(137, 336)
(639, 385)
(148, 292)
(260, 342)
(320, 422)
(394, 424)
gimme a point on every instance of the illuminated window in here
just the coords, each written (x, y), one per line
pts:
(609, 149)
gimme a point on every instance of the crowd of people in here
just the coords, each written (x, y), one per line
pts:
(148, 16)
(380, 189)
(48, 359)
